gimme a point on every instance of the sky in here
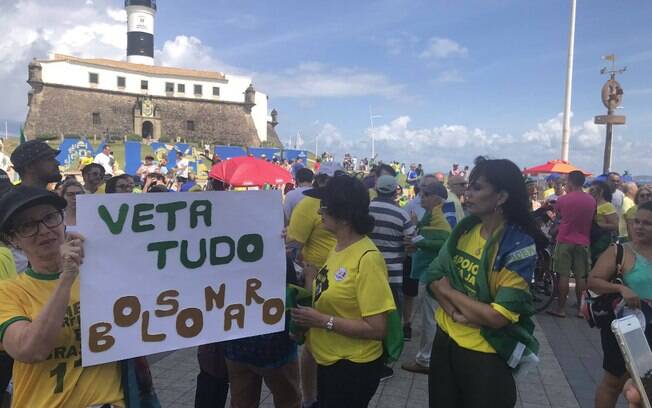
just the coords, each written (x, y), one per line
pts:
(444, 80)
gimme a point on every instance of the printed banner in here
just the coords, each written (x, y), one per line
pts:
(168, 271)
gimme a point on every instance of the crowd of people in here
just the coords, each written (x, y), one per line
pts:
(369, 252)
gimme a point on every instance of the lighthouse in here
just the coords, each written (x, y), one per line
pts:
(140, 31)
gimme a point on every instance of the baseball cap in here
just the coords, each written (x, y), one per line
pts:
(31, 151)
(23, 197)
(553, 177)
(386, 184)
(435, 188)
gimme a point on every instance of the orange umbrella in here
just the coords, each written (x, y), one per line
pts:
(553, 166)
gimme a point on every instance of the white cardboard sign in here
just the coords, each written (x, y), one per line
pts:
(168, 271)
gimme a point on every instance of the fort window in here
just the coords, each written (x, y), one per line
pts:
(93, 78)
(144, 85)
(169, 87)
(216, 91)
(198, 90)
(181, 88)
(122, 82)
(190, 125)
(96, 118)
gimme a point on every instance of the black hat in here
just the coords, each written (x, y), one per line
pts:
(31, 151)
(23, 197)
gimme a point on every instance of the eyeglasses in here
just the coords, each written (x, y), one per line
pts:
(31, 228)
(645, 195)
(460, 184)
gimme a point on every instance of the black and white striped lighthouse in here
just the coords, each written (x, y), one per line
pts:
(140, 31)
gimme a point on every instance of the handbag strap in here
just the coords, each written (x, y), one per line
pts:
(620, 254)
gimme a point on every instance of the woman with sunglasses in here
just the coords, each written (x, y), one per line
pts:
(351, 299)
(40, 313)
(480, 279)
(643, 195)
(69, 191)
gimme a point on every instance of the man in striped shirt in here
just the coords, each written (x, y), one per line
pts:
(392, 229)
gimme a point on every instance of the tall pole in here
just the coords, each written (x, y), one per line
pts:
(565, 135)
(606, 167)
(373, 135)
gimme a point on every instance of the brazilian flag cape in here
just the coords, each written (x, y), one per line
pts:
(508, 251)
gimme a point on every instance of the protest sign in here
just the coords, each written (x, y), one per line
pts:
(168, 271)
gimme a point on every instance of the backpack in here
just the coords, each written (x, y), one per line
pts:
(600, 310)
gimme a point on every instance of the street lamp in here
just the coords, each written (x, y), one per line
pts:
(373, 136)
(565, 135)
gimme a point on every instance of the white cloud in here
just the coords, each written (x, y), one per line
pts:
(437, 147)
(119, 15)
(189, 52)
(317, 80)
(440, 48)
(38, 28)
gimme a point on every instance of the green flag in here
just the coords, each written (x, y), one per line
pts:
(22, 136)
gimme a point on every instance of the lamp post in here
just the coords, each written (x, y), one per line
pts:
(565, 135)
(373, 136)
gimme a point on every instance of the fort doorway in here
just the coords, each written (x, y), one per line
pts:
(148, 130)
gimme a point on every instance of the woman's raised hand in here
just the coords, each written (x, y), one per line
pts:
(72, 255)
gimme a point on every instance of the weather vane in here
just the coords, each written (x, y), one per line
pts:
(612, 98)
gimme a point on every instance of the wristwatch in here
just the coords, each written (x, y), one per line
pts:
(330, 323)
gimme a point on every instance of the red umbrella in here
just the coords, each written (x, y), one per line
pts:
(553, 166)
(249, 172)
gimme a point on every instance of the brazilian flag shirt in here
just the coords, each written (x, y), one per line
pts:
(352, 284)
(467, 263)
(60, 380)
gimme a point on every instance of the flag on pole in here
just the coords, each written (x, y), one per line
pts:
(22, 136)
(610, 57)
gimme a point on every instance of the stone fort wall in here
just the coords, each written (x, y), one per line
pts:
(59, 111)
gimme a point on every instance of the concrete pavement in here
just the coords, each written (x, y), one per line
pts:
(565, 378)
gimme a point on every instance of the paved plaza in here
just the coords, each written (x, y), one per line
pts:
(571, 366)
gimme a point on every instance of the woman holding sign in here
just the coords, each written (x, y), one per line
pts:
(40, 314)
(351, 299)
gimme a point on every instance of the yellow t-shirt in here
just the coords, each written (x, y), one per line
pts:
(628, 204)
(631, 213)
(59, 381)
(548, 192)
(467, 261)
(603, 210)
(7, 264)
(353, 284)
(307, 228)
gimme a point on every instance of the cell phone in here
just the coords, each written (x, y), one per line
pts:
(637, 354)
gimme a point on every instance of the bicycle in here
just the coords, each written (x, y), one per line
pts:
(544, 286)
